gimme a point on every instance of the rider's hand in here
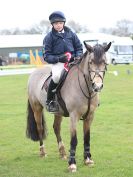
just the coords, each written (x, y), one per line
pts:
(77, 58)
(63, 58)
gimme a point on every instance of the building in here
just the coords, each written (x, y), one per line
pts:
(18, 46)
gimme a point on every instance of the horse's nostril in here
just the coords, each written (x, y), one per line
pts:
(101, 86)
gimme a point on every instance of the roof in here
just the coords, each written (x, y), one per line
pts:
(101, 38)
(10, 41)
(123, 41)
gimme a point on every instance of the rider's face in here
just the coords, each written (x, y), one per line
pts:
(58, 26)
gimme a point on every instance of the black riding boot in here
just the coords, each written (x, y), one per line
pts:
(52, 105)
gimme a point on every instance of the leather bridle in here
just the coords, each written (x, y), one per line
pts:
(89, 80)
(96, 73)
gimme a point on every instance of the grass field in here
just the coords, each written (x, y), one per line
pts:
(17, 66)
(111, 132)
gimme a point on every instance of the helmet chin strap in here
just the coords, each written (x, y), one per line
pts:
(61, 30)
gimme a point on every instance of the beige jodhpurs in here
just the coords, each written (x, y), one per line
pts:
(56, 71)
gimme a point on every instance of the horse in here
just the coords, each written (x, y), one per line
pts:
(80, 93)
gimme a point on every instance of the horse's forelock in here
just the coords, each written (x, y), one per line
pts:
(98, 53)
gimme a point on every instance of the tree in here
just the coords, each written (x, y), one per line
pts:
(123, 28)
(43, 27)
(77, 27)
(16, 31)
(5, 32)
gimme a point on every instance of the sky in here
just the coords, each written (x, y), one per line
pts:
(94, 14)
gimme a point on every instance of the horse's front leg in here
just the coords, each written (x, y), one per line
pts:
(86, 129)
(57, 129)
(73, 144)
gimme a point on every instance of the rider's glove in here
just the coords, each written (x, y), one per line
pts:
(77, 58)
(63, 58)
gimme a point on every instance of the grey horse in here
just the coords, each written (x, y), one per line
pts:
(80, 95)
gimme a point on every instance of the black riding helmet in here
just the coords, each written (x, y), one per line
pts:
(57, 16)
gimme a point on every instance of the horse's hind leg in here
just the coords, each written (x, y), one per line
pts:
(38, 114)
(57, 129)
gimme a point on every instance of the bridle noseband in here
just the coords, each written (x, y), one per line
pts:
(97, 73)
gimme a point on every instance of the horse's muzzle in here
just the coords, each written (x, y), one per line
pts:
(97, 87)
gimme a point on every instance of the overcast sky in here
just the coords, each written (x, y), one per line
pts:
(92, 13)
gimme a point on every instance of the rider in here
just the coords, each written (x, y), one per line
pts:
(56, 45)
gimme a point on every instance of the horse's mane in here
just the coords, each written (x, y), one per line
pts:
(84, 55)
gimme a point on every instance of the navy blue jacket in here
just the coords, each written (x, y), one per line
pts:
(56, 44)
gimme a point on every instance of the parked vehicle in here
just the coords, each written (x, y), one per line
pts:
(2, 62)
(121, 51)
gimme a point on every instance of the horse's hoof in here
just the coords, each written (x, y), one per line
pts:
(89, 162)
(62, 151)
(43, 154)
(64, 157)
(72, 168)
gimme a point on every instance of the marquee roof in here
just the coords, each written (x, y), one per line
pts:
(10, 41)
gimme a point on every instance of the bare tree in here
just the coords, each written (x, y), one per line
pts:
(42, 27)
(5, 32)
(77, 27)
(123, 27)
(16, 31)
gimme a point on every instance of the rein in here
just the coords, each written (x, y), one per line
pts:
(88, 97)
(87, 85)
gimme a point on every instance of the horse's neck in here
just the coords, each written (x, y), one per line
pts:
(77, 74)
(75, 89)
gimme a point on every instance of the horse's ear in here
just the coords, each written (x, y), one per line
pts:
(106, 48)
(88, 47)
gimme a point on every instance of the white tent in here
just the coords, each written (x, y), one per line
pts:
(7, 41)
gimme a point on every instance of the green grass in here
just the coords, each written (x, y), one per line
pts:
(111, 132)
(17, 66)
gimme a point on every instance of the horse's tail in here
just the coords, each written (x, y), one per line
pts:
(31, 131)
